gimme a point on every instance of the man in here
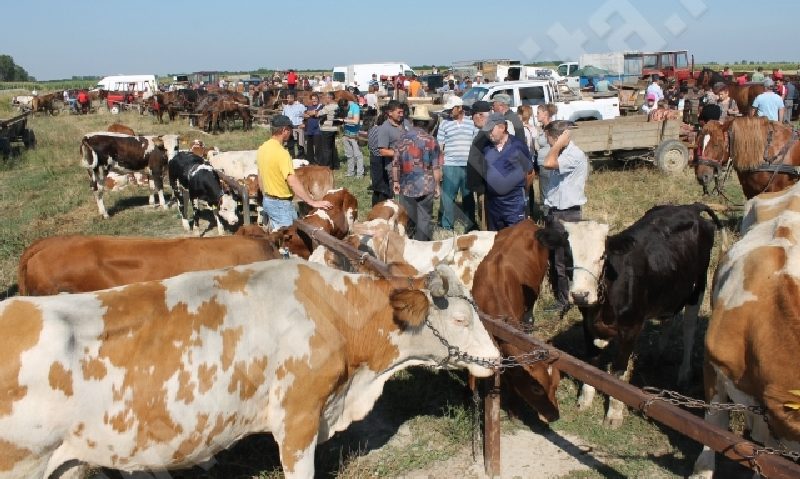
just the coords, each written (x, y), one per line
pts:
(602, 84)
(328, 131)
(655, 88)
(508, 162)
(291, 81)
(352, 125)
(564, 197)
(373, 82)
(650, 103)
(545, 114)
(416, 173)
(455, 137)
(768, 104)
(295, 111)
(788, 102)
(414, 87)
(278, 182)
(758, 75)
(312, 130)
(476, 162)
(382, 150)
(502, 106)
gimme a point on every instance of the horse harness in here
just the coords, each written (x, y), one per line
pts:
(771, 164)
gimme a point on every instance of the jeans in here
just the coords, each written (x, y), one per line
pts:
(560, 257)
(313, 148)
(454, 179)
(420, 211)
(280, 213)
(355, 159)
(379, 173)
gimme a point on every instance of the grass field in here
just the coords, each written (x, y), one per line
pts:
(45, 192)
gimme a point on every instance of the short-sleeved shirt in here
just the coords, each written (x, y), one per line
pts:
(414, 87)
(274, 167)
(768, 104)
(352, 111)
(388, 135)
(757, 76)
(455, 138)
(601, 85)
(416, 155)
(655, 89)
(295, 113)
(566, 184)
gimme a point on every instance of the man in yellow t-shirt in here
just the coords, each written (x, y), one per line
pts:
(278, 182)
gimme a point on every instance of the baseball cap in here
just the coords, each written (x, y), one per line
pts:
(493, 120)
(453, 101)
(502, 98)
(481, 107)
(280, 120)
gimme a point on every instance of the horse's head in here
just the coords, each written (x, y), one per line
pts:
(712, 153)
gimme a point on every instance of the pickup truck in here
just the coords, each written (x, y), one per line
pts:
(571, 104)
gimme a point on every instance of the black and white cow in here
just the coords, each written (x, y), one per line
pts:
(104, 151)
(188, 172)
(651, 270)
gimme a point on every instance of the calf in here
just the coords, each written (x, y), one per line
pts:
(389, 212)
(120, 128)
(188, 172)
(165, 374)
(104, 151)
(651, 270)
(76, 264)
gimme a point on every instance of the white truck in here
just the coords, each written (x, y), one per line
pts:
(360, 74)
(571, 106)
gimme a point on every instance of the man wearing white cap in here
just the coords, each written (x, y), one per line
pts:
(455, 138)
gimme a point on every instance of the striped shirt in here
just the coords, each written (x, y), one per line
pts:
(455, 138)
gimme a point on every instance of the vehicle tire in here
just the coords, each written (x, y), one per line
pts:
(671, 157)
(29, 139)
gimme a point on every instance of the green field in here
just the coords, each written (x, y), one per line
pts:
(45, 192)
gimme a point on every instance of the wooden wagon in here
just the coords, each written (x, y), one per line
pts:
(15, 129)
(634, 138)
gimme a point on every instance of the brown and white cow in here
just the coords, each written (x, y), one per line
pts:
(388, 212)
(104, 151)
(753, 337)
(76, 264)
(164, 374)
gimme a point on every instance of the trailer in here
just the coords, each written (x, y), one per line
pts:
(635, 138)
(15, 129)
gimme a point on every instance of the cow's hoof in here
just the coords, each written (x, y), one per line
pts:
(612, 422)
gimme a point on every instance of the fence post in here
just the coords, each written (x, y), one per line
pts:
(491, 438)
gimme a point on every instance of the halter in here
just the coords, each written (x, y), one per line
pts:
(601, 283)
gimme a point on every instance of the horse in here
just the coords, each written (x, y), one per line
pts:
(742, 94)
(221, 106)
(765, 155)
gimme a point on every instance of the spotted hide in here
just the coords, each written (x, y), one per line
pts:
(164, 374)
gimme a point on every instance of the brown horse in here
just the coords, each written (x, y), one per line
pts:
(222, 106)
(765, 154)
(742, 94)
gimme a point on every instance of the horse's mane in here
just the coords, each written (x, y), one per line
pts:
(749, 138)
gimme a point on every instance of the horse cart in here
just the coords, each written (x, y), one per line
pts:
(15, 129)
(630, 138)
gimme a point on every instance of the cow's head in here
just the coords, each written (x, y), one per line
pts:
(587, 242)
(227, 209)
(712, 153)
(450, 313)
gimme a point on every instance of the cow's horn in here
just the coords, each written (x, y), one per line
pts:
(450, 280)
(437, 285)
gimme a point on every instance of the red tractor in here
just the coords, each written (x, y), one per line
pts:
(673, 64)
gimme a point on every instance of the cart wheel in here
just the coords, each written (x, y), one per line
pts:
(29, 139)
(671, 157)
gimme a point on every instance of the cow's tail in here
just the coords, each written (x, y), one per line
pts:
(725, 243)
(22, 272)
(88, 156)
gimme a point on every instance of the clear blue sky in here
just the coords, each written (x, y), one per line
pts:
(54, 39)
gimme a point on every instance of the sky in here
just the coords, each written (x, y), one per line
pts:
(55, 39)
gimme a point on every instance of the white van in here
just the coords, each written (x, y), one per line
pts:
(361, 74)
(135, 83)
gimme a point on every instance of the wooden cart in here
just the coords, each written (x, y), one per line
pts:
(634, 138)
(15, 129)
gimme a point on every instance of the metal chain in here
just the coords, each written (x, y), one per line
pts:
(476, 424)
(677, 399)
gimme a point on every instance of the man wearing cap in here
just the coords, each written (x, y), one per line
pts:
(382, 151)
(278, 182)
(502, 105)
(476, 162)
(768, 104)
(455, 137)
(649, 103)
(416, 173)
(508, 162)
(564, 198)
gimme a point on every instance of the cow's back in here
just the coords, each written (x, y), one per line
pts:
(90, 263)
(317, 180)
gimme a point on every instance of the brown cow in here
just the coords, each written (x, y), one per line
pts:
(120, 128)
(74, 264)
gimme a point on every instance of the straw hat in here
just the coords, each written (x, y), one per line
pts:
(421, 113)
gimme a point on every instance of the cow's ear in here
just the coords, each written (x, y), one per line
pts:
(552, 238)
(409, 307)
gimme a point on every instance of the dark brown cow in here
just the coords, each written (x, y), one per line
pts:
(45, 102)
(104, 151)
(74, 264)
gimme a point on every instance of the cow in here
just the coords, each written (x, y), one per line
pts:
(189, 173)
(390, 212)
(120, 128)
(164, 374)
(77, 264)
(651, 270)
(753, 336)
(104, 151)
(119, 181)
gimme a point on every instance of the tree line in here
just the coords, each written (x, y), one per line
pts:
(10, 71)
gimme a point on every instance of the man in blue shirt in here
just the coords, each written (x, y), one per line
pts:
(455, 137)
(352, 125)
(312, 130)
(768, 104)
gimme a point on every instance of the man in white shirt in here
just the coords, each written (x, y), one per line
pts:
(655, 89)
(295, 110)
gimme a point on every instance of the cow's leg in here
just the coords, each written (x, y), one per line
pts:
(622, 368)
(689, 330)
(715, 392)
(183, 207)
(587, 393)
(220, 229)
